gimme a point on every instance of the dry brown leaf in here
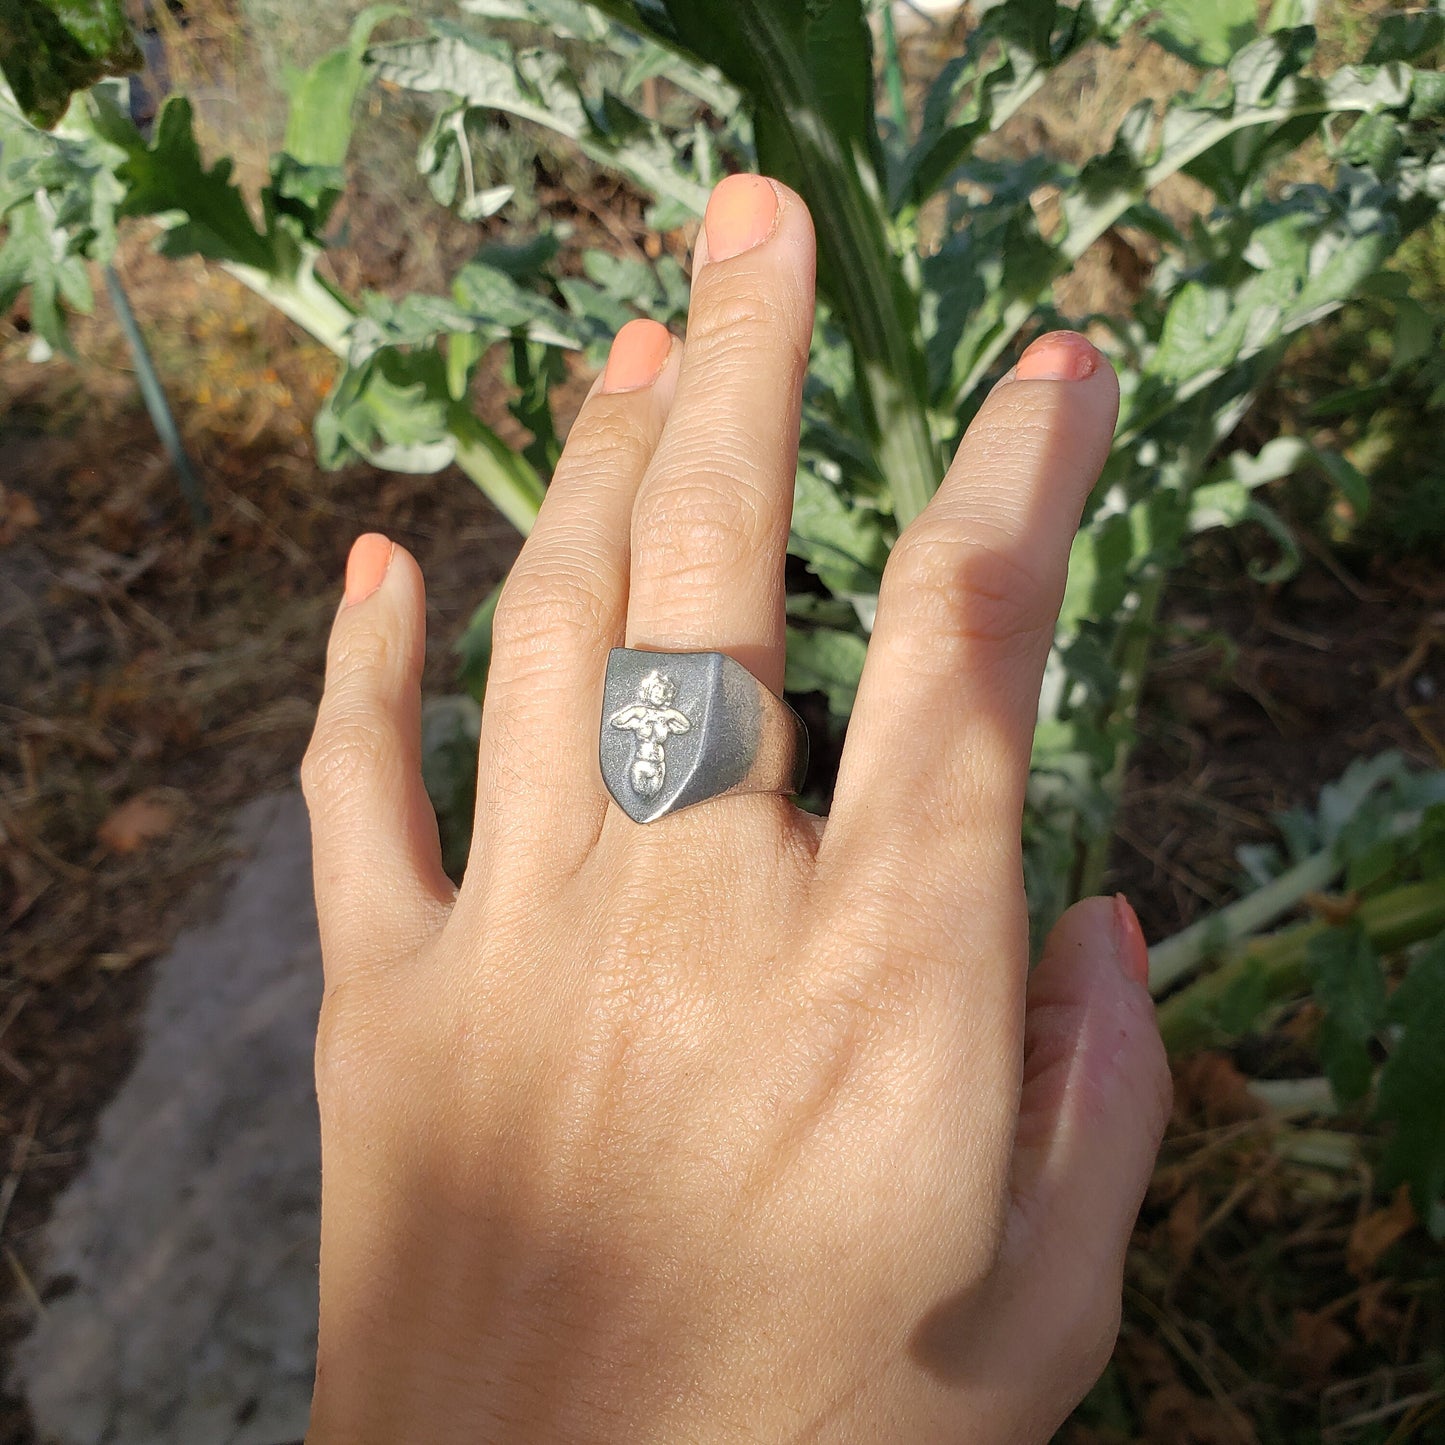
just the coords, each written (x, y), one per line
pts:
(1379, 1231)
(1212, 1082)
(1377, 1320)
(17, 514)
(1317, 1344)
(138, 821)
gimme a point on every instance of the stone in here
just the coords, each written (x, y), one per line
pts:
(179, 1267)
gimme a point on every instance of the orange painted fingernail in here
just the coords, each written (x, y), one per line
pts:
(741, 214)
(639, 352)
(1059, 356)
(1129, 945)
(366, 566)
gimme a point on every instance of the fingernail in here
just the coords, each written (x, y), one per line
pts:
(1129, 946)
(1059, 356)
(639, 352)
(366, 566)
(741, 214)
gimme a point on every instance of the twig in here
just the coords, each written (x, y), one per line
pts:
(23, 1281)
(1196, 1362)
(17, 1161)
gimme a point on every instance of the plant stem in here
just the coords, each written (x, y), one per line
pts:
(307, 300)
(1187, 951)
(507, 479)
(1275, 965)
(154, 395)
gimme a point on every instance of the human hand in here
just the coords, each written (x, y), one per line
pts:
(739, 1125)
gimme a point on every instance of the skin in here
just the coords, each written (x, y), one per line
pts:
(739, 1126)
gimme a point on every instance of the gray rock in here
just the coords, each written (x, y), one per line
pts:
(184, 1254)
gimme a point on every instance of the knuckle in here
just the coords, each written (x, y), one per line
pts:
(611, 434)
(345, 752)
(961, 587)
(741, 321)
(705, 516)
(549, 604)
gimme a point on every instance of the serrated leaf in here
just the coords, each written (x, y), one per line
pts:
(844, 545)
(1412, 1088)
(201, 207)
(1348, 984)
(486, 73)
(393, 410)
(58, 201)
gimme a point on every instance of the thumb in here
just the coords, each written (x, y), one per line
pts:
(1096, 1090)
(1096, 1096)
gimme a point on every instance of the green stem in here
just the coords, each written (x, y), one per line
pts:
(893, 74)
(156, 402)
(1135, 644)
(307, 300)
(1274, 966)
(507, 479)
(1187, 951)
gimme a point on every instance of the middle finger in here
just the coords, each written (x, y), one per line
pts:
(710, 524)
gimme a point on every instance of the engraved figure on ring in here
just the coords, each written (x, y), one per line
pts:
(653, 718)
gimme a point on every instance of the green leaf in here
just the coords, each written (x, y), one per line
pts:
(318, 126)
(844, 544)
(1412, 1088)
(1349, 986)
(1206, 32)
(392, 409)
(1408, 36)
(474, 647)
(58, 200)
(49, 49)
(826, 660)
(485, 73)
(202, 208)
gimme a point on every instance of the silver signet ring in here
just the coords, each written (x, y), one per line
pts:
(679, 728)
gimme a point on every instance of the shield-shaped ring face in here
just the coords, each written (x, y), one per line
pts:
(677, 728)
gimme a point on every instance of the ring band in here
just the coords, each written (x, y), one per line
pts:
(679, 728)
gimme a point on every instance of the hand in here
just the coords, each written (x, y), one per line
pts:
(739, 1125)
